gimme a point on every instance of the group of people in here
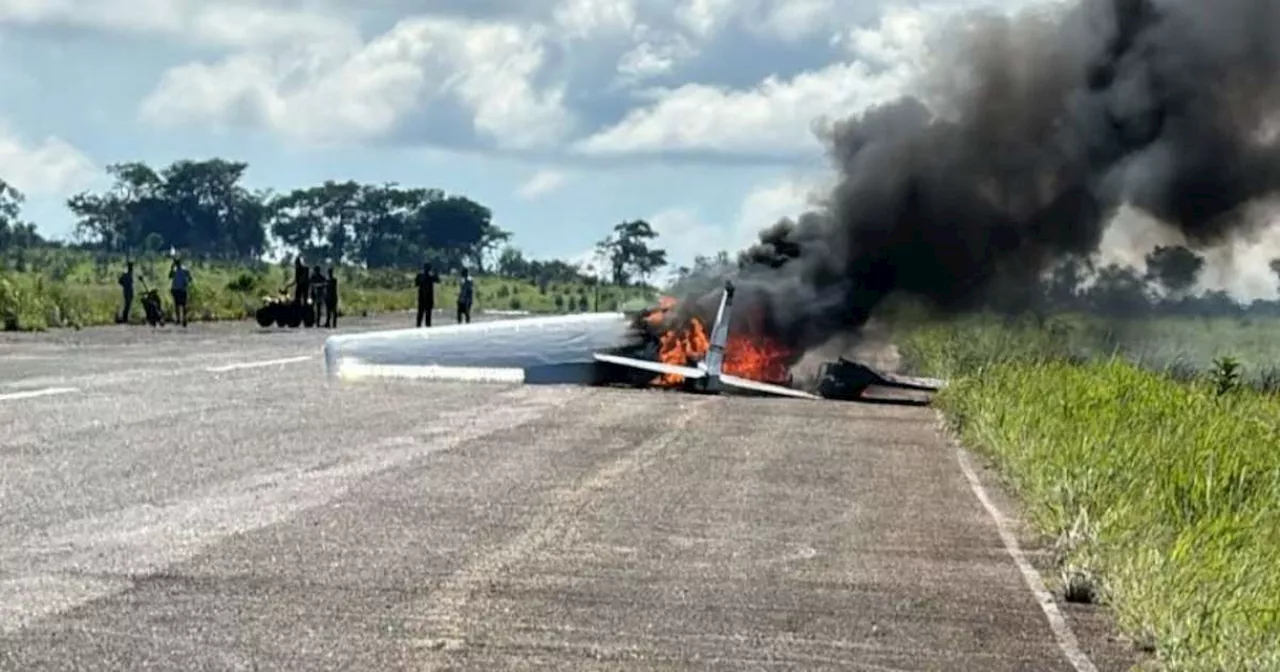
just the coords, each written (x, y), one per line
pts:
(426, 283)
(179, 285)
(311, 288)
(322, 290)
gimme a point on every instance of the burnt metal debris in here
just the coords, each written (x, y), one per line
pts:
(849, 380)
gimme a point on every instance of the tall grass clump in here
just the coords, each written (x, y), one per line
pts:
(1163, 495)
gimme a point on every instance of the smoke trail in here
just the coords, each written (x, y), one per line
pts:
(1044, 126)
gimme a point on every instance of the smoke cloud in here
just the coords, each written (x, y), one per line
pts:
(1020, 150)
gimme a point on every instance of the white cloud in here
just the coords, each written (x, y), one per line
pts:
(51, 167)
(591, 18)
(777, 115)
(125, 15)
(684, 234)
(307, 71)
(703, 17)
(768, 203)
(543, 182)
(363, 93)
(797, 19)
(655, 54)
(224, 24)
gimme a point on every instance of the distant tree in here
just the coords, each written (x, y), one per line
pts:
(512, 264)
(1118, 290)
(1275, 270)
(628, 252)
(14, 233)
(1175, 268)
(1063, 284)
(319, 222)
(195, 206)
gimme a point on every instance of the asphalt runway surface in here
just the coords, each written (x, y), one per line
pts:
(204, 499)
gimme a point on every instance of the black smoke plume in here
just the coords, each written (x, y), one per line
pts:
(1041, 128)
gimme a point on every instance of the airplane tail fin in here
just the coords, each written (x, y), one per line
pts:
(714, 361)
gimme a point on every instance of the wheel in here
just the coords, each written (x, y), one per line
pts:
(265, 315)
(308, 316)
(294, 316)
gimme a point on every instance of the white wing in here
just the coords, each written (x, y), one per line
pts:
(656, 367)
(767, 388)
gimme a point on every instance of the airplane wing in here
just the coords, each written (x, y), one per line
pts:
(766, 388)
(656, 367)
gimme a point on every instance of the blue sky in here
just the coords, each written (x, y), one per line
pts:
(563, 116)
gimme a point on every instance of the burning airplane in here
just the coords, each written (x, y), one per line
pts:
(660, 347)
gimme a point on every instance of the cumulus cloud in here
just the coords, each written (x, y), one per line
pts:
(234, 24)
(547, 77)
(368, 92)
(543, 182)
(777, 116)
(49, 167)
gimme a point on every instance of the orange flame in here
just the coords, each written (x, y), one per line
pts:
(754, 358)
(681, 348)
(665, 304)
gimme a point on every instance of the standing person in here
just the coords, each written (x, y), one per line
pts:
(126, 287)
(466, 292)
(331, 301)
(426, 283)
(179, 284)
(317, 295)
(301, 282)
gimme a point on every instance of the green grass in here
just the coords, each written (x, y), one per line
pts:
(74, 290)
(1163, 496)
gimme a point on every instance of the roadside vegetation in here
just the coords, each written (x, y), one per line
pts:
(1148, 451)
(77, 289)
(375, 236)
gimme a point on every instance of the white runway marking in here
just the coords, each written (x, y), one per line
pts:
(255, 365)
(44, 392)
(352, 370)
(1066, 639)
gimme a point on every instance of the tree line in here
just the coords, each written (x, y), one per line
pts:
(202, 209)
(1074, 284)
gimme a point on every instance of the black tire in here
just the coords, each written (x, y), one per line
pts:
(294, 316)
(308, 316)
(265, 315)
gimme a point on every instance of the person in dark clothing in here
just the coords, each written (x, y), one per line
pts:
(179, 285)
(426, 284)
(466, 292)
(126, 286)
(317, 295)
(301, 281)
(331, 301)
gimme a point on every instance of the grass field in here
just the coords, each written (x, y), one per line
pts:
(1159, 483)
(76, 291)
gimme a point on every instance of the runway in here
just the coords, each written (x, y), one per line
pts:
(206, 500)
